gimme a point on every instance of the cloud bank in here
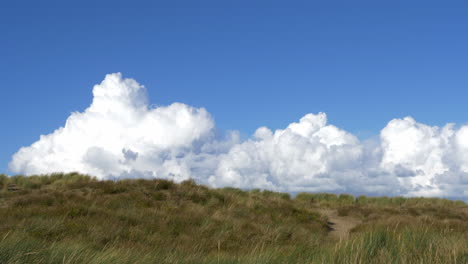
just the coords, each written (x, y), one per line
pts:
(120, 136)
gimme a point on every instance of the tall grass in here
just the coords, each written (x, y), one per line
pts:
(74, 218)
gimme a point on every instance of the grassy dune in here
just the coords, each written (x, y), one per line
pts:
(73, 218)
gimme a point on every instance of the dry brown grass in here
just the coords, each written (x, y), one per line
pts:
(73, 218)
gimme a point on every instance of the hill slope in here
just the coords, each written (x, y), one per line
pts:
(73, 218)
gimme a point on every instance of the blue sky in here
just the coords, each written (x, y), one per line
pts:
(249, 64)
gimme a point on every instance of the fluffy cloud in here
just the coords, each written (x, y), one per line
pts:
(119, 135)
(428, 161)
(304, 156)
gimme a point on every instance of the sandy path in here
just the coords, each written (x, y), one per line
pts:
(340, 225)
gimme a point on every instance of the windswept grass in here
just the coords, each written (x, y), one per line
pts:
(74, 218)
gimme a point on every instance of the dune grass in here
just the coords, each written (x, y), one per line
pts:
(74, 218)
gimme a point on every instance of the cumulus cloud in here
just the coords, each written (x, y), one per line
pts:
(120, 136)
(428, 161)
(303, 156)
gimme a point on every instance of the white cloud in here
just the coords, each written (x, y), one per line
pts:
(303, 156)
(428, 161)
(414, 152)
(118, 135)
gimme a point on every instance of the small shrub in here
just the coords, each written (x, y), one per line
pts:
(162, 184)
(362, 200)
(3, 181)
(159, 196)
(113, 188)
(285, 196)
(346, 199)
(305, 197)
(189, 183)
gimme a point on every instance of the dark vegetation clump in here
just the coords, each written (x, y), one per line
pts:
(75, 218)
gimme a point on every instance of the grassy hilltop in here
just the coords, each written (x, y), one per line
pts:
(73, 218)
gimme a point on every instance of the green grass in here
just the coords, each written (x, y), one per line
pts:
(74, 218)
